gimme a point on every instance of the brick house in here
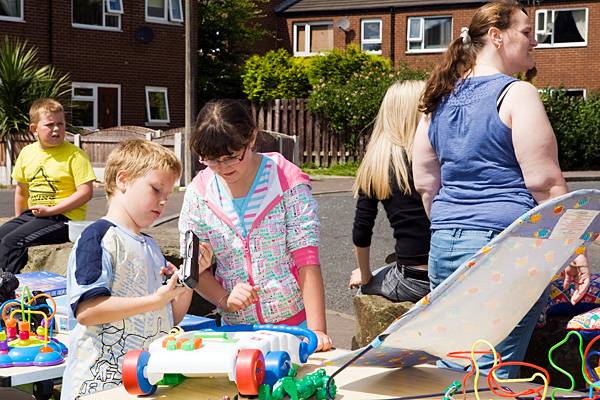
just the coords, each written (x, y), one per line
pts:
(126, 59)
(417, 33)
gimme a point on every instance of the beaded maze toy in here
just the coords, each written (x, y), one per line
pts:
(24, 342)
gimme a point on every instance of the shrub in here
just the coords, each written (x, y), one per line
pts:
(351, 106)
(336, 66)
(276, 75)
(576, 124)
(23, 80)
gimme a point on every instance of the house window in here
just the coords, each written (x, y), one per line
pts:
(578, 93)
(157, 105)
(11, 10)
(164, 11)
(96, 106)
(313, 38)
(428, 34)
(114, 6)
(370, 39)
(561, 28)
(97, 13)
(575, 93)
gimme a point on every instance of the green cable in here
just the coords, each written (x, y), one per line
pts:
(559, 369)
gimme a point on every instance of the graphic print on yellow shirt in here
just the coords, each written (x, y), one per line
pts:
(53, 174)
(42, 189)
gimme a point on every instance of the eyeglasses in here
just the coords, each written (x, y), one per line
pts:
(228, 162)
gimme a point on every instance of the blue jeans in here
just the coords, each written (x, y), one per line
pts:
(450, 248)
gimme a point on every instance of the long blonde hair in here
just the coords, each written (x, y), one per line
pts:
(390, 147)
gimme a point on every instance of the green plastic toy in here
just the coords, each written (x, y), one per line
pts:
(310, 386)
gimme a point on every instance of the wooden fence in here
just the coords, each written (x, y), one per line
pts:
(316, 143)
(97, 145)
(290, 128)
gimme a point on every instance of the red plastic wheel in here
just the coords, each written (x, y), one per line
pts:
(249, 371)
(132, 374)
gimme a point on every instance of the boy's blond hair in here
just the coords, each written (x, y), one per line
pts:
(137, 157)
(43, 106)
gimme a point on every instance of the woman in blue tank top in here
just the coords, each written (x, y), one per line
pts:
(485, 152)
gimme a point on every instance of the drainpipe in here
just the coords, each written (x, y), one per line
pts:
(392, 35)
(50, 31)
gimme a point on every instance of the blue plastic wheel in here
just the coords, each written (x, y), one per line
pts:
(134, 380)
(277, 366)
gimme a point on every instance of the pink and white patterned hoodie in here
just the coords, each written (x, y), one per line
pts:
(283, 237)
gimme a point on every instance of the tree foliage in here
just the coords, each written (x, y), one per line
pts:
(226, 31)
(576, 124)
(23, 80)
(348, 87)
(276, 75)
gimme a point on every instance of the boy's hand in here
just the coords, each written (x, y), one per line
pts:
(242, 295)
(205, 259)
(168, 271)
(41, 211)
(171, 290)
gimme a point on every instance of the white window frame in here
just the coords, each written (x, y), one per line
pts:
(102, 27)
(110, 10)
(371, 41)
(421, 37)
(168, 18)
(157, 89)
(550, 13)
(577, 90)
(567, 90)
(94, 99)
(15, 19)
(307, 26)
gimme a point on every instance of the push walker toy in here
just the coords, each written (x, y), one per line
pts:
(248, 355)
(19, 346)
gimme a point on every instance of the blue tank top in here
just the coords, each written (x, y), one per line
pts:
(482, 184)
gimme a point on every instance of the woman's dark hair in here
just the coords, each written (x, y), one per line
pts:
(222, 128)
(460, 57)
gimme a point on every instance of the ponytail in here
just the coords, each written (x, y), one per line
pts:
(462, 52)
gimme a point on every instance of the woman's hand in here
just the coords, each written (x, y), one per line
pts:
(357, 279)
(578, 274)
(324, 341)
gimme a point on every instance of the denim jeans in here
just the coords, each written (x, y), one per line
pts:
(450, 248)
(392, 283)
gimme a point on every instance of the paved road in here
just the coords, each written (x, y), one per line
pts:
(336, 212)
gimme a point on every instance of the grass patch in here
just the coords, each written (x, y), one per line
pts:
(347, 169)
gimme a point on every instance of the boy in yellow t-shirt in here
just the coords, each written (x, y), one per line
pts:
(54, 183)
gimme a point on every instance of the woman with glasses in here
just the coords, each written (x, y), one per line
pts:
(257, 213)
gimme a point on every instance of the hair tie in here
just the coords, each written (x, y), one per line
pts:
(464, 34)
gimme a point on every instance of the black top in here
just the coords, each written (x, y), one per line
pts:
(407, 218)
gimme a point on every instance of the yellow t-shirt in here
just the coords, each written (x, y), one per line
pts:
(53, 174)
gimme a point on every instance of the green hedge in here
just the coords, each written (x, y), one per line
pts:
(347, 86)
(576, 124)
(343, 86)
(276, 75)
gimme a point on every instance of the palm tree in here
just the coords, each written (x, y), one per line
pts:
(22, 81)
